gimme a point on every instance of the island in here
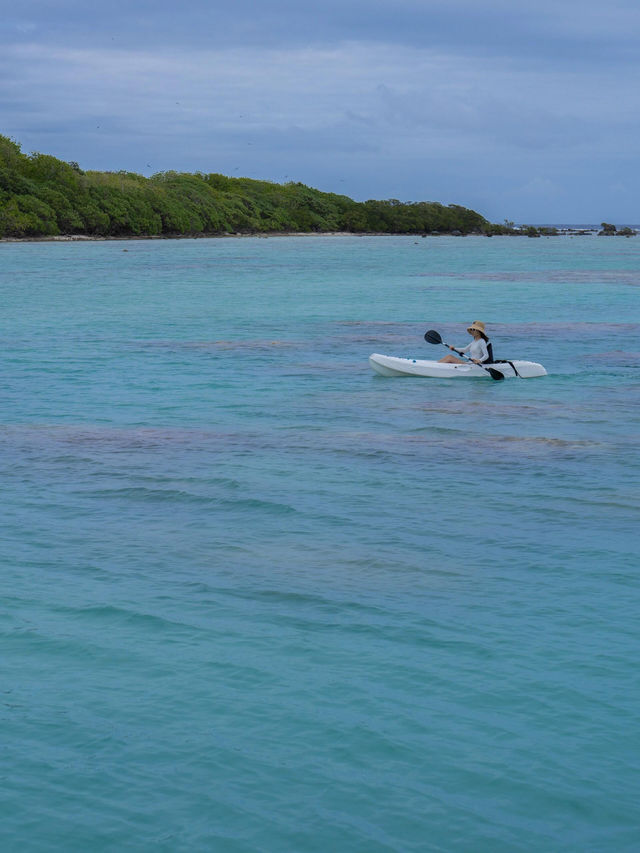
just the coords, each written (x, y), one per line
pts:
(42, 197)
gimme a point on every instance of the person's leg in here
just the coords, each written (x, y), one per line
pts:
(451, 359)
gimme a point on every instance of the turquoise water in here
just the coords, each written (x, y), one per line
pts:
(256, 598)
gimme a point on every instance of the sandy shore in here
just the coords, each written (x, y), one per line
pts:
(83, 238)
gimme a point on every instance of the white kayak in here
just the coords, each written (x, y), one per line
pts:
(389, 365)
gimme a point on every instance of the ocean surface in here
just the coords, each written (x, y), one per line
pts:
(257, 598)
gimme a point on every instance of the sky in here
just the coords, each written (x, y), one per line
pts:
(525, 112)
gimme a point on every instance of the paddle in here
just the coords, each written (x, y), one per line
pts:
(433, 337)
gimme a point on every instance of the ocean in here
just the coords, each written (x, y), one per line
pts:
(258, 598)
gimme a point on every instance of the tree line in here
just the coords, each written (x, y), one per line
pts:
(41, 196)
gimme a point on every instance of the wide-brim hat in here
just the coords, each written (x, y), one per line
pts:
(478, 326)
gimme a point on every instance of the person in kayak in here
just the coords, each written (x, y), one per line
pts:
(479, 349)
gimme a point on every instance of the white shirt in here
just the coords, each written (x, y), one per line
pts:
(477, 349)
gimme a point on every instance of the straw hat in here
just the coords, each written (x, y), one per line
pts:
(478, 326)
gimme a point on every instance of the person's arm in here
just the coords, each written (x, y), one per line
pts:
(484, 352)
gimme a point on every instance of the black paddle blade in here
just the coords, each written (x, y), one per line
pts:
(432, 337)
(494, 374)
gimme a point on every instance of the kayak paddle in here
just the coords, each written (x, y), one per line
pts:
(433, 337)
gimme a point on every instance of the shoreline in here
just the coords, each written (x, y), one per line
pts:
(88, 238)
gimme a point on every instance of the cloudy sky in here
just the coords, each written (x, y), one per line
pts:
(528, 112)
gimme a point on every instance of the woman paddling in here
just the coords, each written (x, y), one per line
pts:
(479, 349)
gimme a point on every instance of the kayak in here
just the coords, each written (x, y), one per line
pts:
(389, 365)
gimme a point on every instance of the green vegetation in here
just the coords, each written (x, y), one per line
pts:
(609, 230)
(539, 231)
(41, 196)
(513, 230)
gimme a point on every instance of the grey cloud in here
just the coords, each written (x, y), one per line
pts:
(372, 118)
(571, 31)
